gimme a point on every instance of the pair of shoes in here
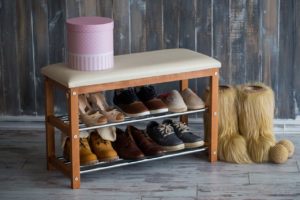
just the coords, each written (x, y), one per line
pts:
(111, 113)
(138, 102)
(102, 147)
(177, 102)
(173, 136)
(87, 157)
(93, 147)
(94, 110)
(134, 144)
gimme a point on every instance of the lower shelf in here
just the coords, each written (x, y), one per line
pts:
(120, 163)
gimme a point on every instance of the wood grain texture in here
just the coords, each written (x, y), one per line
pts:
(138, 28)
(105, 8)
(251, 38)
(296, 56)
(171, 23)
(121, 27)
(26, 57)
(41, 49)
(285, 104)
(154, 24)
(221, 45)
(237, 41)
(252, 47)
(10, 70)
(184, 177)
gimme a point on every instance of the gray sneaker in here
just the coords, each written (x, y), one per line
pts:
(163, 134)
(183, 132)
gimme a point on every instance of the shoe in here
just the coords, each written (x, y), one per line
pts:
(102, 148)
(87, 157)
(88, 115)
(149, 98)
(174, 101)
(164, 135)
(111, 113)
(144, 142)
(128, 102)
(192, 100)
(183, 133)
(126, 147)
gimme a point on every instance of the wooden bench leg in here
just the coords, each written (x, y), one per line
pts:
(49, 110)
(213, 143)
(74, 138)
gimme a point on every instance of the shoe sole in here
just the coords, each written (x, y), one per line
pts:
(196, 107)
(194, 144)
(109, 159)
(89, 162)
(178, 110)
(137, 114)
(173, 148)
(163, 110)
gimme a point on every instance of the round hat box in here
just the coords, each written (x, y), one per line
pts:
(90, 43)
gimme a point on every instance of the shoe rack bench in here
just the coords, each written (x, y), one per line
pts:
(129, 71)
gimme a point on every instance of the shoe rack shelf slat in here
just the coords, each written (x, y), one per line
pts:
(129, 71)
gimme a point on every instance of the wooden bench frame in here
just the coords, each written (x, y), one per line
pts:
(72, 129)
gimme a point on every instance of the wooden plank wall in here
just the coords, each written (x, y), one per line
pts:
(255, 41)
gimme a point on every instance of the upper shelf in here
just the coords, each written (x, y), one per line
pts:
(129, 120)
(134, 66)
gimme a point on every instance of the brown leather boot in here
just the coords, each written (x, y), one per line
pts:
(86, 155)
(144, 142)
(126, 147)
(102, 148)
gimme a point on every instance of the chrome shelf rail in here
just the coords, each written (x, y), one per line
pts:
(121, 162)
(129, 120)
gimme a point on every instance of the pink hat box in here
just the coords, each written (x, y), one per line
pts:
(90, 43)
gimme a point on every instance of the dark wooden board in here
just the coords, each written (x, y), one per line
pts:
(296, 55)
(104, 8)
(121, 27)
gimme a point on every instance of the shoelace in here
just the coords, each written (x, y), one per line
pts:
(165, 129)
(182, 127)
(83, 144)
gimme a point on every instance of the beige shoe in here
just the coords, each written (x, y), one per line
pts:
(88, 115)
(174, 101)
(192, 100)
(111, 113)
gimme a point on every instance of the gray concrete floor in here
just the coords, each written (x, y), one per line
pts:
(23, 175)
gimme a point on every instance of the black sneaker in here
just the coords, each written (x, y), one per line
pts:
(164, 135)
(128, 102)
(182, 131)
(148, 96)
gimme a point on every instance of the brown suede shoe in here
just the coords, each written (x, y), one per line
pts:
(144, 142)
(102, 148)
(86, 155)
(126, 147)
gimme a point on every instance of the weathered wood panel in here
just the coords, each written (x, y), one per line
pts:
(221, 45)
(171, 24)
(255, 41)
(154, 24)
(122, 27)
(285, 104)
(41, 48)
(138, 28)
(25, 57)
(252, 48)
(10, 69)
(296, 56)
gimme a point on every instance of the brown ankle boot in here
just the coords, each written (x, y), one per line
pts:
(86, 155)
(102, 148)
